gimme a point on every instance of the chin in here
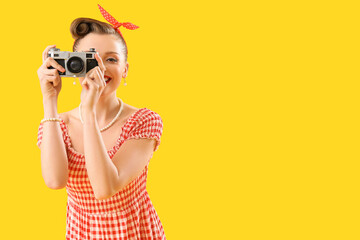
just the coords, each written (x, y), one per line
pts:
(111, 88)
(113, 84)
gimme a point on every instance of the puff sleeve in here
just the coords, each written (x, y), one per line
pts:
(39, 135)
(149, 125)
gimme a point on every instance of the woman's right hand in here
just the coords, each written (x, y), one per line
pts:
(50, 81)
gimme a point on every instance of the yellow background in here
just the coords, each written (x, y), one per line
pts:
(259, 101)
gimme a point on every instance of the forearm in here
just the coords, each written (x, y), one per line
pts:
(102, 173)
(54, 164)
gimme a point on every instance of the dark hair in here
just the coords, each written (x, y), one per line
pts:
(80, 27)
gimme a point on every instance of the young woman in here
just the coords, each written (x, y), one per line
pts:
(99, 151)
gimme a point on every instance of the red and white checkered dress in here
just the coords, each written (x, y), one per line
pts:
(129, 214)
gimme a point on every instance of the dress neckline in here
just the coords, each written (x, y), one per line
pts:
(111, 150)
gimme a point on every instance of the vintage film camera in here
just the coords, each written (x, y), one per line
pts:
(76, 64)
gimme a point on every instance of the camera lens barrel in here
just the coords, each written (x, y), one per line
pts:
(75, 64)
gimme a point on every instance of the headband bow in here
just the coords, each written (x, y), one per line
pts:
(115, 23)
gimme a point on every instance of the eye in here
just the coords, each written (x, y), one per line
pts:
(112, 60)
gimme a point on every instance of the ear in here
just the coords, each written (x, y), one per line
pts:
(125, 73)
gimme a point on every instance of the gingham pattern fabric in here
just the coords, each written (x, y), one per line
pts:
(129, 214)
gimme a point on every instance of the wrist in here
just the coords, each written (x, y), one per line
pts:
(52, 99)
(50, 108)
(88, 114)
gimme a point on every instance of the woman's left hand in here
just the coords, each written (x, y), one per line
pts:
(93, 85)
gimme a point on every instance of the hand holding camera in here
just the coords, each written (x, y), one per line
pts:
(58, 64)
(50, 81)
(93, 86)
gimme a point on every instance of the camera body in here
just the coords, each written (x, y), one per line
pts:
(76, 64)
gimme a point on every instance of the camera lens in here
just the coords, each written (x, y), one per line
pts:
(75, 64)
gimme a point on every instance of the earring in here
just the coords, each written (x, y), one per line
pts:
(125, 82)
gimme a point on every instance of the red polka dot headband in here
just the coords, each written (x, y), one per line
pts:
(115, 23)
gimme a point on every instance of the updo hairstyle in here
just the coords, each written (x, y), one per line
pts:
(80, 27)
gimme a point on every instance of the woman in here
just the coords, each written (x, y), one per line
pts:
(99, 151)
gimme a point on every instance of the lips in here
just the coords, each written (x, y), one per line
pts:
(107, 79)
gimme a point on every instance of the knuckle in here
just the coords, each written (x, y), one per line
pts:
(40, 72)
(47, 60)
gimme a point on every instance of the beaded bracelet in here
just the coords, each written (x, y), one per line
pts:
(51, 119)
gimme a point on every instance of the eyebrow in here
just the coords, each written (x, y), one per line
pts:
(112, 52)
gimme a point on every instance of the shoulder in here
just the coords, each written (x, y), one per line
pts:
(146, 114)
(139, 114)
(129, 110)
(145, 123)
(144, 120)
(68, 116)
(149, 122)
(64, 116)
